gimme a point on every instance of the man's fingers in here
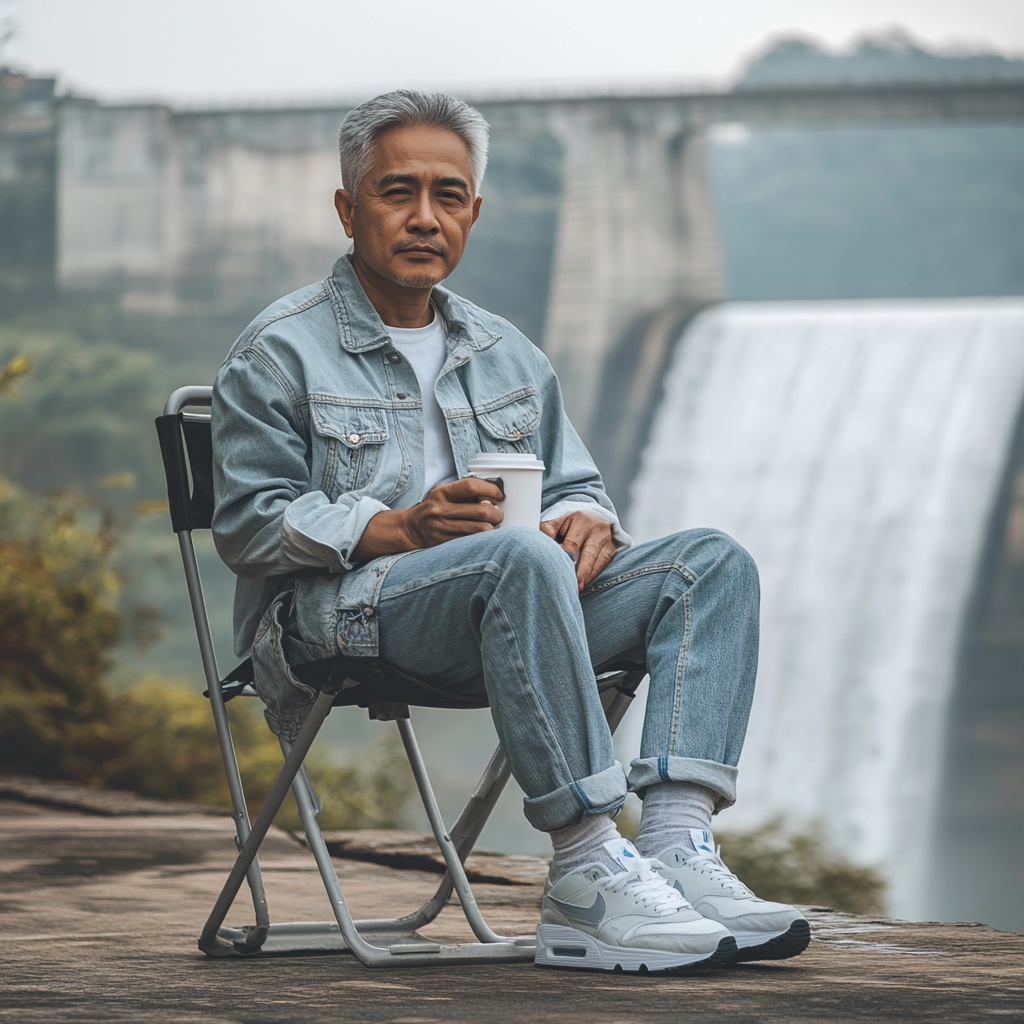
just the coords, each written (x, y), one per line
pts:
(589, 539)
(575, 532)
(469, 489)
(552, 526)
(602, 559)
(596, 555)
(482, 511)
(461, 520)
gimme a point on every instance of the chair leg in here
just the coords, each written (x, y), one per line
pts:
(616, 699)
(471, 821)
(366, 951)
(464, 834)
(403, 947)
(475, 814)
(210, 942)
(451, 856)
(220, 717)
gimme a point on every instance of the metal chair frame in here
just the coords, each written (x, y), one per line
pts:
(384, 942)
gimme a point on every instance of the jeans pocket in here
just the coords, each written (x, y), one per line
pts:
(327, 620)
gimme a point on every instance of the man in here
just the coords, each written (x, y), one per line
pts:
(344, 419)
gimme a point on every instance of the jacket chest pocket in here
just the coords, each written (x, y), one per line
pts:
(348, 446)
(508, 422)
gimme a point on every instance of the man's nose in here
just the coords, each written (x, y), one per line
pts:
(423, 217)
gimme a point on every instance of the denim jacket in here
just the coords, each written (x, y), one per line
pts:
(317, 427)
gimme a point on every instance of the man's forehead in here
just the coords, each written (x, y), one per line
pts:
(421, 151)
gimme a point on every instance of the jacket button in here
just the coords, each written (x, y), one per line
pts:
(402, 394)
(353, 439)
(368, 612)
(394, 358)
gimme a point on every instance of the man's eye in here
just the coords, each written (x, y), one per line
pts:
(397, 193)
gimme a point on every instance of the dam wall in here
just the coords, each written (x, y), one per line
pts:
(861, 451)
(214, 210)
(196, 211)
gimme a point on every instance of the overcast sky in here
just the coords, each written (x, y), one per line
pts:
(259, 50)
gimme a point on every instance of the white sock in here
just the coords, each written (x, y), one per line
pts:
(671, 809)
(579, 845)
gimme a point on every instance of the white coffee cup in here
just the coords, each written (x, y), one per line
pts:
(523, 480)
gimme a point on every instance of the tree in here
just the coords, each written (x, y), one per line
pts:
(58, 628)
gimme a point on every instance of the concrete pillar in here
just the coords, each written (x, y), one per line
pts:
(637, 232)
(115, 197)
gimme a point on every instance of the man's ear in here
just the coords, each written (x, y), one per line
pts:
(345, 205)
(476, 209)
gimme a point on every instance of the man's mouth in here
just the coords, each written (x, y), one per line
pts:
(420, 250)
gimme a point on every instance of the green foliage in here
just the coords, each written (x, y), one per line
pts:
(17, 367)
(60, 719)
(81, 415)
(799, 868)
(171, 752)
(791, 867)
(83, 418)
(58, 628)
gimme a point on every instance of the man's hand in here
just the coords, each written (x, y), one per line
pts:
(588, 538)
(448, 511)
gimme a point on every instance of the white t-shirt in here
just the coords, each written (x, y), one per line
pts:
(426, 350)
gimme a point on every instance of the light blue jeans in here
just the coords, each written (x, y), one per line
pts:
(499, 613)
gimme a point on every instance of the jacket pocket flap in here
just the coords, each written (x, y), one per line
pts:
(352, 425)
(512, 417)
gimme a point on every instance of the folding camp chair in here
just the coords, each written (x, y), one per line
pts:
(186, 446)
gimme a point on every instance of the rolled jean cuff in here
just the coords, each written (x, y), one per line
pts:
(719, 778)
(602, 793)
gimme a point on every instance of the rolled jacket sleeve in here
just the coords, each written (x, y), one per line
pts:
(267, 520)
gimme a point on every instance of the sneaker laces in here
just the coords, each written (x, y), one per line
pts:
(713, 865)
(648, 888)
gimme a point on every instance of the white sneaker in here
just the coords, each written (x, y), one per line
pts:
(631, 920)
(763, 930)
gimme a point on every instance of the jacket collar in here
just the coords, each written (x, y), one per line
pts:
(362, 330)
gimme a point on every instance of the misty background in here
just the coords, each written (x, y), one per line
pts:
(804, 214)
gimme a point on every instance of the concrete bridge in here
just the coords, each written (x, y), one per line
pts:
(190, 210)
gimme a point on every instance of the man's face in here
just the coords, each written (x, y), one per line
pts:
(415, 208)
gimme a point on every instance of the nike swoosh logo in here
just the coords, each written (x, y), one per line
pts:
(586, 915)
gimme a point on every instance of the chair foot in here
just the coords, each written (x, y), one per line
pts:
(390, 948)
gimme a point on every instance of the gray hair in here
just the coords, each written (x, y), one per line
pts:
(364, 124)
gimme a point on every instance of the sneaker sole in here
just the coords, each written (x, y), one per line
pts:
(792, 942)
(559, 946)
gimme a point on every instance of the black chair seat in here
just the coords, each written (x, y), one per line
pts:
(372, 681)
(369, 681)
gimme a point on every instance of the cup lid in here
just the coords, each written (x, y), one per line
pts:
(503, 460)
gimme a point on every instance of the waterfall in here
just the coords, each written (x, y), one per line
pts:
(856, 449)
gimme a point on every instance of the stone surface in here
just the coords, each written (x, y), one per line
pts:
(418, 851)
(109, 802)
(101, 916)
